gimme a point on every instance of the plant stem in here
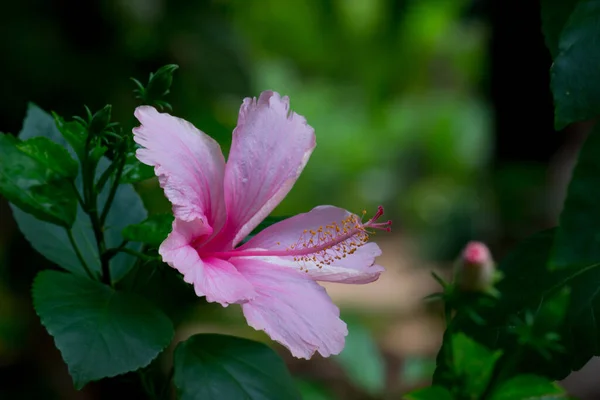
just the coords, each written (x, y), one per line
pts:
(79, 198)
(114, 187)
(91, 208)
(110, 253)
(78, 253)
(105, 176)
(99, 235)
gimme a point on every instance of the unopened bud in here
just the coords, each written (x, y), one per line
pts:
(100, 120)
(475, 271)
(160, 82)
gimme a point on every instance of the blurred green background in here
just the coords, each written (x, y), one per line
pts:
(410, 111)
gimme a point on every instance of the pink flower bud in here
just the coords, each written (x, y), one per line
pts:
(475, 269)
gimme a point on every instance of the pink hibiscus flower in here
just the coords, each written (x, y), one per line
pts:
(216, 205)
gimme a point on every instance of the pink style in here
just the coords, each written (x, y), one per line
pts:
(216, 205)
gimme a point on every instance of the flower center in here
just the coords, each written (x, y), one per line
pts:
(324, 245)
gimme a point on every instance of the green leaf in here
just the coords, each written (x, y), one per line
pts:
(164, 287)
(134, 171)
(100, 332)
(32, 181)
(152, 231)
(429, 393)
(73, 132)
(554, 17)
(211, 366)
(575, 76)
(51, 241)
(578, 239)
(473, 363)
(50, 155)
(528, 387)
(361, 359)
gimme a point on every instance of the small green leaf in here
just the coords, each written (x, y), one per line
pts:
(429, 393)
(361, 359)
(575, 76)
(554, 17)
(473, 363)
(577, 242)
(99, 331)
(530, 387)
(35, 183)
(51, 155)
(211, 366)
(134, 171)
(153, 231)
(73, 132)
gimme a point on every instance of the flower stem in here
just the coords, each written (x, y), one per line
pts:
(78, 253)
(91, 208)
(113, 188)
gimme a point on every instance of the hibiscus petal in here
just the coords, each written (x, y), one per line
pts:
(270, 148)
(189, 164)
(216, 279)
(292, 309)
(357, 268)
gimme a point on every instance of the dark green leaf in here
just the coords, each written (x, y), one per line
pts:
(528, 387)
(429, 393)
(211, 366)
(164, 286)
(52, 242)
(554, 16)
(551, 313)
(525, 273)
(575, 76)
(361, 359)
(134, 171)
(99, 331)
(33, 182)
(152, 231)
(578, 239)
(473, 363)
